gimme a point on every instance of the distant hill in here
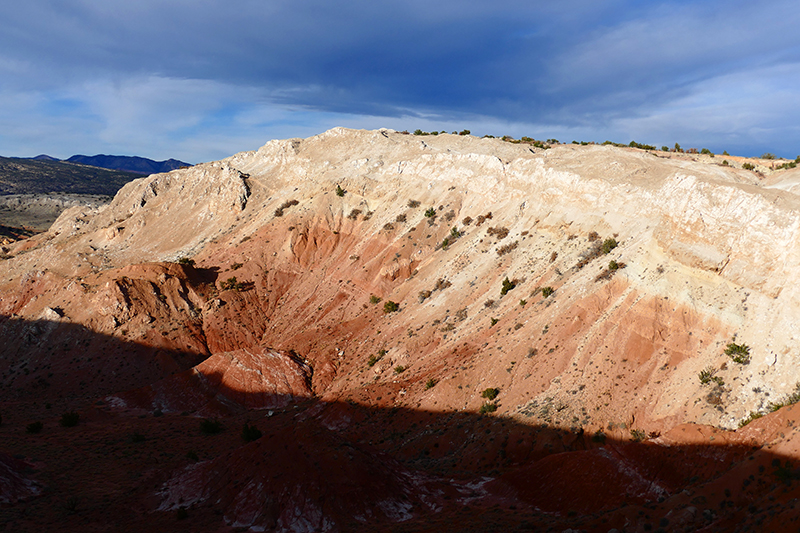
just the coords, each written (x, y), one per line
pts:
(39, 176)
(139, 165)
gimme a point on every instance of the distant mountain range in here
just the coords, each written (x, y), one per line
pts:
(137, 165)
(42, 175)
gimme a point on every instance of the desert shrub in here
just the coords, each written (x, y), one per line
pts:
(441, 284)
(754, 415)
(70, 419)
(250, 433)
(487, 408)
(445, 243)
(715, 396)
(768, 155)
(739, 353)
(390, 306)
(185, 261)
(725, 163)
(494, 321)
(210, 426)
(499, 232)
(608, 245)
(430, 212)
(400, 218)
(706, 375)
(399, 369)
(507, 286)
(706, 151)
(447, 327)
(368, 215)
(599, 436)
(354, 214)
(285, 205)
(466, 221)
(748, 166)
(450, 215)
(461, 314)
(506, 248)
(236, 266)
(413, 204)
(231, 284)
(638, 435)
(490, 393)
(339, 191)
(634, 144)
(593, 236)
(454, 233)
(373, 359)
(374, 299)
(553, 256)
(522, 303)
(613, 265)
(488, 304)
(431, 383)
(424, 295)
(547, 291)
(665, 148)
(388, 226)
(34, 427)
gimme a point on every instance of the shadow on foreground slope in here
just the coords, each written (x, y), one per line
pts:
(339, 466)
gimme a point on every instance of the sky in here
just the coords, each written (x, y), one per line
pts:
(199, 80)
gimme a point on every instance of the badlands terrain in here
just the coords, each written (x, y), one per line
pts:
(429, 333)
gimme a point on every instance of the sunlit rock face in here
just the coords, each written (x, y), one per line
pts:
(590, 285)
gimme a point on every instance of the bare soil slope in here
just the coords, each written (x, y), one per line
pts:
(552, 307)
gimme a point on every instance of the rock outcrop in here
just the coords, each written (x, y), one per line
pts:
(589, 285)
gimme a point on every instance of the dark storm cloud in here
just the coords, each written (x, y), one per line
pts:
(184, 70)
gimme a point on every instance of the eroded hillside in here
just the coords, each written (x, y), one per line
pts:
(579, 291)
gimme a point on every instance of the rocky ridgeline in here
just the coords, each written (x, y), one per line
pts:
(580, 289)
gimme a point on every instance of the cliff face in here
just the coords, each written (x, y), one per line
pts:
(708, 254)
(584, 336)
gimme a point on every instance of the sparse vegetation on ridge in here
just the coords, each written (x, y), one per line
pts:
(791, 399)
